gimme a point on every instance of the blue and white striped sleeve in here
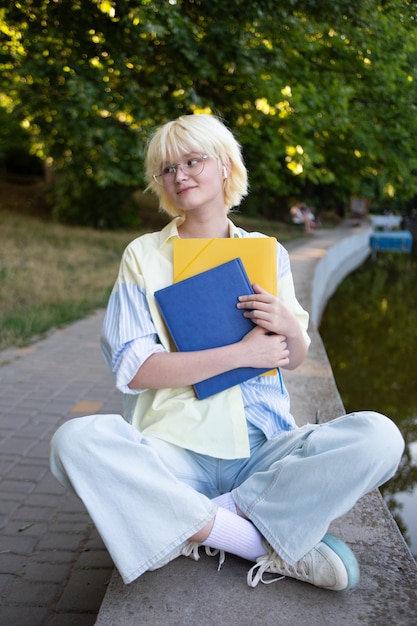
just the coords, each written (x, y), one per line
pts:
(128, 335)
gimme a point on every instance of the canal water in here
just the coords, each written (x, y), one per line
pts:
(369, 329)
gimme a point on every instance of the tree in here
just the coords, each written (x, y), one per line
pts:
(312, 89)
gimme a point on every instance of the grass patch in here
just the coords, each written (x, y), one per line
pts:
(51, 274)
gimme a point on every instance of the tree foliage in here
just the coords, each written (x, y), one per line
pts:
(321, 94)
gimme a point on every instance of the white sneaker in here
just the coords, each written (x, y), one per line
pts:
(330, 565)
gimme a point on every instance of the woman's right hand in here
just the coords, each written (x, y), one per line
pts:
(263, 349)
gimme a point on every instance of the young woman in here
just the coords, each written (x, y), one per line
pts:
(231, 472)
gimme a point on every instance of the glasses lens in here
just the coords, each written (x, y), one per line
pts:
(193, 166)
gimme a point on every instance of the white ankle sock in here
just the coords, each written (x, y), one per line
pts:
(236, 535)
(226, 502)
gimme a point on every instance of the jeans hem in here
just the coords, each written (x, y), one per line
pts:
(173, 552)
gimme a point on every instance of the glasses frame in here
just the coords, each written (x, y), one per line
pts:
(161, 178)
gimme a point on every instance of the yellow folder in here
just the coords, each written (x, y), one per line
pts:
(258, 254)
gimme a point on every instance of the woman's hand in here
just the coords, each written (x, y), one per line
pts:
(265, 350)
(271, 314)
(265, 310)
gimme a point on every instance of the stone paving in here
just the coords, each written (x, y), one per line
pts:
(54, 567)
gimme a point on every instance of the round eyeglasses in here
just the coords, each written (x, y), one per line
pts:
(192, 166)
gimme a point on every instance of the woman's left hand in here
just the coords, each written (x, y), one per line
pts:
(265, 310)
(271, 314)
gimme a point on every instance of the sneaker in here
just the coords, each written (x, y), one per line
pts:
(330, 565)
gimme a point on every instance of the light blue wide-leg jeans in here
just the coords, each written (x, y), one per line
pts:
(147, 497)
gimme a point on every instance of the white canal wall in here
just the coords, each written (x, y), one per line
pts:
(340, 260)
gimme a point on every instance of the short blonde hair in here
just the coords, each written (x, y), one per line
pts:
(205, 134)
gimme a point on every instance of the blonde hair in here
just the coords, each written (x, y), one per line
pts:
(205, 134)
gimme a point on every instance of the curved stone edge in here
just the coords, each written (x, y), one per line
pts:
(340, 260)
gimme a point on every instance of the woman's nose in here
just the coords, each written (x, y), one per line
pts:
(180, 174)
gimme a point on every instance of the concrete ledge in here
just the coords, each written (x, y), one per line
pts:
(339, 261)
(187, 593)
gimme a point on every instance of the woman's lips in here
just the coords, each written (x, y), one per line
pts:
(185, 189)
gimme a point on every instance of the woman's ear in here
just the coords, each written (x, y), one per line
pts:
(224, 171)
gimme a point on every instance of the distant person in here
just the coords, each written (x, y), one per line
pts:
(302, 214)
(388, 226)
(233, 472)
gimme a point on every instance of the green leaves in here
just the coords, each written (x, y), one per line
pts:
(322, 95)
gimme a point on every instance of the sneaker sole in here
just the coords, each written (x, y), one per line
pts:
(347, 557)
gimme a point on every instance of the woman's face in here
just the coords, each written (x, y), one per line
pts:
(194, 182)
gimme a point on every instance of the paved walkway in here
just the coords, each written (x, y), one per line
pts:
(54, 569)
(53, 566)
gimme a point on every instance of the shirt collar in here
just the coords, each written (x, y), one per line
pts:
(170, 231)
(234, 231)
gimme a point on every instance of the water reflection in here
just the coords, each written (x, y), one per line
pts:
(369, 329)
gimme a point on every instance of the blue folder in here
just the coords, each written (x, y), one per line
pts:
(200, 313)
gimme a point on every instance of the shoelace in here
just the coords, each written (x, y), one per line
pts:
(273, 564)
(191, 550)
(221, 553)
